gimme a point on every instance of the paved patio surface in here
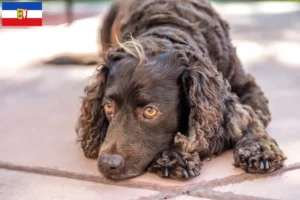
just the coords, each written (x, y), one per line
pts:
(40, 159)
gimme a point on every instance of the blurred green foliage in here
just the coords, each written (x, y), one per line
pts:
(81, 1)
(236, 1)
(220, 1)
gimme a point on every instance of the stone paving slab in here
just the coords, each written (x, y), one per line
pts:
(26, 186)
(284, 186)
(186, 197)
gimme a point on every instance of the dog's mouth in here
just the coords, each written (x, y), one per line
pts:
(118, 175)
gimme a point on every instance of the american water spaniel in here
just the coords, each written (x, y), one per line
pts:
(171, 91)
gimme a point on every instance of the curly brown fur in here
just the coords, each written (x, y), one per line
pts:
(92, 124)
(255, 151)
(181, 61)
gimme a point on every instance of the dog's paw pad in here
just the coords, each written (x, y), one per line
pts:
(259, 157)
(176, 167)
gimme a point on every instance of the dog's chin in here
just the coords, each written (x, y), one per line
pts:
(120, 175)
(116, 176)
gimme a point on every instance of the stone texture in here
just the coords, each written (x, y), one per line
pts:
(286, 186)
(38, 116)
(25, 186)
(185, 197)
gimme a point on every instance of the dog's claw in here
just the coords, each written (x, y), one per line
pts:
(186, 162)
(192, 173)
(267, 164)
(250, 164)
(261, 165)
(185, 174)
(197, 170)
(166, 172)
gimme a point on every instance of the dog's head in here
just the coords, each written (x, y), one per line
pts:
(139, 100)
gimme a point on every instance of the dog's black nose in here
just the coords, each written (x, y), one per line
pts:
(111, 161)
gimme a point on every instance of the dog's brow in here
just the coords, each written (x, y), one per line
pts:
(144, 97)
(114, 96)
(112, 93)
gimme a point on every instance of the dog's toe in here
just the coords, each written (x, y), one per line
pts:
(259, 157)
(177, 166)
(194, 172)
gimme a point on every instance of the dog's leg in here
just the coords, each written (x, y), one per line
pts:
(255, 151)
(248, 91)
(176, 163)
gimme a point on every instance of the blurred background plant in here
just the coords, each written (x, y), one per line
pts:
(220, 1)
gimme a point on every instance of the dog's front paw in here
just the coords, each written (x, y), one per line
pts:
(172, 164)
(258, 156)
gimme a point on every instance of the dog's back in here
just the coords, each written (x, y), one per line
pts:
(191, 22)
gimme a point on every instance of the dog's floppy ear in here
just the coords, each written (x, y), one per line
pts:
(204, 88)
(92, 123)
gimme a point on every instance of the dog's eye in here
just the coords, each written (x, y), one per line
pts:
(108, 108)
(150, 112)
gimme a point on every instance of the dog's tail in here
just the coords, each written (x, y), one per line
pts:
(74, 59)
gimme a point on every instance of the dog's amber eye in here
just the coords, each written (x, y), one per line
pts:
(150, 112)
(108, 108)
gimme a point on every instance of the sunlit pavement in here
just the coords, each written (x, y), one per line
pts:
(39, 105)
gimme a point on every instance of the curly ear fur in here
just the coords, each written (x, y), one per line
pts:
(92, 123)
(206, 90)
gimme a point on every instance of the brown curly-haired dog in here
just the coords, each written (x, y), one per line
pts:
(170, 92)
